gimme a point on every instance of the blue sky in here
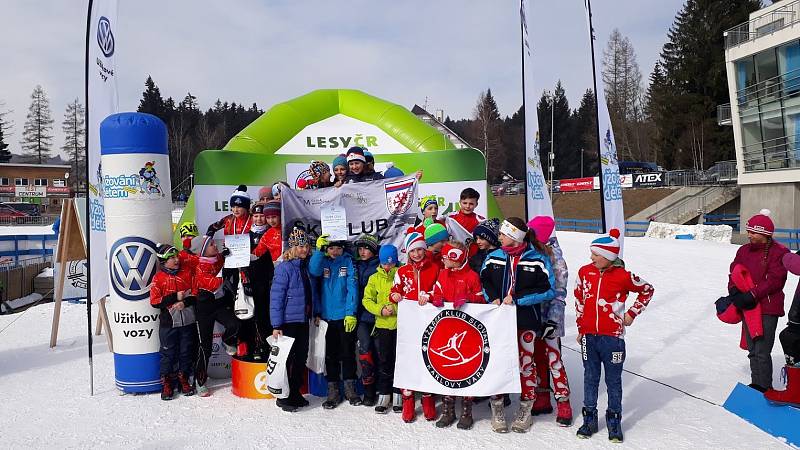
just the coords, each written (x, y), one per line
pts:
(269, 51)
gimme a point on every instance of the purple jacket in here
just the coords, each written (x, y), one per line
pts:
(769, 278)
(792, 263)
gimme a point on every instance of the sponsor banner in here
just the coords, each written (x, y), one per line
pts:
(652, 179)
(576, 184)
(30, 191)
(336, 134)
(470, 351)
(385, 208)
(102, 101)
(74, 279)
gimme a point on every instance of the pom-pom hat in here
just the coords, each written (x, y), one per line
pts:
(761, 223)
(240, 197)
(488, 230)
(413, 241)
(356, 154)
(607, 246)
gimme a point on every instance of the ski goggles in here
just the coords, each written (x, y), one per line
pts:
(167, 253)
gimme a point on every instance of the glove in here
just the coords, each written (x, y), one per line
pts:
(548, 330)
(322, 242)
(733, 290)
(744, 300)
(349, 324)
(225, 252)
(437, 302)
(459, 303)
(211, 230)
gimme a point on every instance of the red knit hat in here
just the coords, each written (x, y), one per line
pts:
(761, 223)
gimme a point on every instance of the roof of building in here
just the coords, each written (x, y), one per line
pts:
(46, 166)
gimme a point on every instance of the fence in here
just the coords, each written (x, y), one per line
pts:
(17, 281)
(48, 219)
(24, 245)
(732, 220)
(632, 228)
(789, 237)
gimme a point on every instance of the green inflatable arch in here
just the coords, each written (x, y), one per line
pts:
(283, 121)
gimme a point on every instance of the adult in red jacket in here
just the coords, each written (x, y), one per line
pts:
(762, 257)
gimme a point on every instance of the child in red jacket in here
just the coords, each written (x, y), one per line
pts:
(271, 241)
(414, 281)
(458, 284)
(600, 294)
(171, 293)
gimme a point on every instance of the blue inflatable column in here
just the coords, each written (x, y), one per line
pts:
(138, 207)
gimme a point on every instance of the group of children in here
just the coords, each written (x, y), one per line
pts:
(508, 262)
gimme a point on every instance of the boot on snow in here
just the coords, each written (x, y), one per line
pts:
(350, 392)
(522, 423)
(429, 407)
(397, 403)
(499, 424)
(466, 420)
(564, 414)
(370, 397)
(542, 404)
(589, 426)
(383, 404)
(334, 398)
(448, 412)
(166, 387)
(614, 425)
(791, 395)
(186, 388)
(409, 407)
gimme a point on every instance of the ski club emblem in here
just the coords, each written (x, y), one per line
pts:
(399, 196)
(455, 348)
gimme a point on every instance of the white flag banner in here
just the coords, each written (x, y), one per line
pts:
(384, 208)
(536, 195)
(102, 101)
(470, 351)
(609, 166)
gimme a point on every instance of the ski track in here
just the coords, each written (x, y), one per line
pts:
(677, 340)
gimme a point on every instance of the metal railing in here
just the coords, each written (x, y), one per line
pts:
(724, 115)
(768, 23)
(772, 154)
(693, 205)
(732, 220)
(632, 228)
(48, 219)
(769, 91)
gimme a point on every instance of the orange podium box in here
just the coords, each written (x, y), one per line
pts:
(249, 379)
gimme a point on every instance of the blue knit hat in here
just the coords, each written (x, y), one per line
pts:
(340, 160)
(240, 197)
(489, 231)
(388, 254)
(392, 171)
(368, 156)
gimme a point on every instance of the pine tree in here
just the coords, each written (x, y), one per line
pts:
(37, 135)
(74, 127)
(5, 126)
(584, 129)
(152, 102)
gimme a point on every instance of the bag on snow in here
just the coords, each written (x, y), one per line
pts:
(277, 375)
(316, 347)
(243, 307)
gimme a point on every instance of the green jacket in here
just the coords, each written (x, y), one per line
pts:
(376, 296)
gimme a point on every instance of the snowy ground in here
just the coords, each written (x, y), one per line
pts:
(677, 341)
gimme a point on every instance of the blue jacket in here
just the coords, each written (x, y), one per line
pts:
(288, 299)
(364, 270)
(337, 285)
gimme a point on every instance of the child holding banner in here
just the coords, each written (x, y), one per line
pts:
(458, 284)
(376, 302)
(414, 281)
(366, 265)
(519, 273)
(334, 269)
(600, 293)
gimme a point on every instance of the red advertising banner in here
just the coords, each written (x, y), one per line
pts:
(576, 184)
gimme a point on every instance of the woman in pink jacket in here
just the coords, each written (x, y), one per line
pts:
(762, 258)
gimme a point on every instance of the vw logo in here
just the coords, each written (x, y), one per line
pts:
(105, 38)
(132, 265)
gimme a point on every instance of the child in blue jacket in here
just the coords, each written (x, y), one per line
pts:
(334, 269)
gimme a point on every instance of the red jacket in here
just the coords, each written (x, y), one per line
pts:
(600, 299)
(233, 225)
(769, 278)
(468, 221)
(415, 277)
(459, 286)
(206, 270)
(165, 286)
(436, 259)
(270, 241)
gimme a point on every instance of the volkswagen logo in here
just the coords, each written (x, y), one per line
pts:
(132, 265)
(105, 38)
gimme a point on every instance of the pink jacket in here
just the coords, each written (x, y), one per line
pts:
(769, 278)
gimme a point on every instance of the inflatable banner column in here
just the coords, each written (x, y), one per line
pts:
(138, 207)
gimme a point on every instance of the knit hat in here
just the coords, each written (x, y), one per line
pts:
(543, 227)
(317, 168)
(488, 230)
(297, 237)
(265, 192)
(206, 242)
(413, 241)
(387, 254)
(356, 154)
(368, 157)
(367, 241)
(240, 197)
(428, 200)
(392, 171)
(165, 252)
(454, 254)
(272, 208)
(340, 160)
(607, 246)
(434, 233)
(761, 223)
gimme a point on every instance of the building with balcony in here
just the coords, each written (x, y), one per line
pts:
(762, 59)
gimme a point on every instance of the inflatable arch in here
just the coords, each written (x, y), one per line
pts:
(320, 125)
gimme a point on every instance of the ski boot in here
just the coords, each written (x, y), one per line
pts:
(429, 407)
(286, 405)
(409, 407)
(542, 404)
(466, 421)
(334, 398)
(791, 395)
(499, 424)
(350, 392)
(186, 388)
(448, 412)
(166, 387)
(397, 403)
(564, 415)
(383, 404)
(522, 423)
(589, 426)
(614, 425)
(370, 397)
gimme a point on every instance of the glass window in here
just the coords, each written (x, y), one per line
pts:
(772, 130)
(59, 183)
(3, 181)
(789, 66)
(20, 181)
(766, 65)
(40, 182)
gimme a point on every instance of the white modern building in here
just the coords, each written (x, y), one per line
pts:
(762, 58)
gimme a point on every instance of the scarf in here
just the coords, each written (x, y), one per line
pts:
(514, 250)
(258, 229)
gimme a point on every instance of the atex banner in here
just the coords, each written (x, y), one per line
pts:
(652, 179)
(469, 351)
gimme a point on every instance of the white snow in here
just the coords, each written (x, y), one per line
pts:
(700, 232)
(677, 341)
(20, 302)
